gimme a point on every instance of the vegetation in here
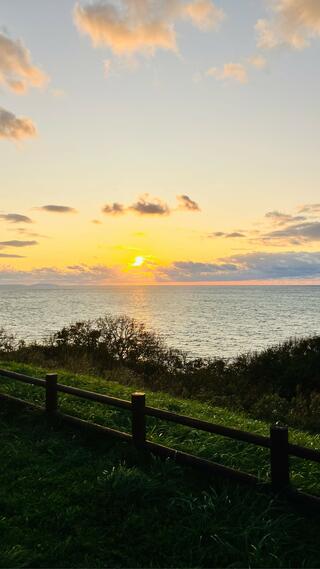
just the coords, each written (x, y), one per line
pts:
(281, 383)
(72, 500)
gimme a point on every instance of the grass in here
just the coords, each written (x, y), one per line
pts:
(72, 500)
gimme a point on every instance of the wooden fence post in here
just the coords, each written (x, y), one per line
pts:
(279, 458)
(138, 401)
(51, 393)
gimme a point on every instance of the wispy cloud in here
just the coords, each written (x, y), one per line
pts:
(11, 256)
(131, 27)
(313, 208)
(296, 234)
(27, 233)
(17, 71)
(204, 14)
(15, 218)
(230, 71)
(232, 235)
(280, 228)
(72, 275)
(280, 218)
(17, 243)
(57, 209)
(15, 128)
(293, 23)
(258, 61)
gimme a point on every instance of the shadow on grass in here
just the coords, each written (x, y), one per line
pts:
(74, 500)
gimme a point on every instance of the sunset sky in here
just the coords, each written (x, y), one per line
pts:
(159, 141)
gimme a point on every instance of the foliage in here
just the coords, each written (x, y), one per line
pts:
(281, 382)
(8, 342)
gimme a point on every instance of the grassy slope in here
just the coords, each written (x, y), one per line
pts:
(68, 500)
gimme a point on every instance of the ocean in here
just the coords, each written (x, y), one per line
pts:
(203, 320)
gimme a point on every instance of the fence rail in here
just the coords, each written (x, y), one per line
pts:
(278, 443)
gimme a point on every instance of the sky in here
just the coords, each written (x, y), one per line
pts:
(159, 141)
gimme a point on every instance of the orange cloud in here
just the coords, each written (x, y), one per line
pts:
(294, 23)
(142, 26)
(235, 71)
(16, 69)
(204, 14)
(14, 128)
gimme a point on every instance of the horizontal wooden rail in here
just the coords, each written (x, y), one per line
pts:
(92, 396)
(23, 378)
(304, 452)
(202, 463)
(280, 448)
(213, 428)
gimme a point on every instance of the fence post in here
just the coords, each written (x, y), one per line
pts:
(138, 401)
(279, 458)
(51, 393)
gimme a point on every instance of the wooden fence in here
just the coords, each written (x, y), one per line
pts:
(280, 447)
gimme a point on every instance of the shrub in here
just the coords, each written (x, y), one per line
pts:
(279, 383)
(8, 342)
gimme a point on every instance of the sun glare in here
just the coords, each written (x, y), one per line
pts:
(138, 261)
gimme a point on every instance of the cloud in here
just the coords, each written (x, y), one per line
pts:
(296, 234)
(258, 61)
(145, 206)
(234, 71)
(233, 235)
(58, 93)
(281, 229)
(27, 233)
(11, 256)
(16, 69)
(245, 267)
(255, 266)
(113, 209)
(204, 14)
(17, 243)
(57, 209)
(280, 218)
(310, 208)
(131, 27)
(187, 203)
(15, 218)
(72, 275)
(14, 128)
(293, 23)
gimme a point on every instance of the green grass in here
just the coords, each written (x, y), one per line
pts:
(71, 500)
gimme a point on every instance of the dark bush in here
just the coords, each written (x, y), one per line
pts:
(281, 382)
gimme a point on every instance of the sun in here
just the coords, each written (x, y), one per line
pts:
(138, 261)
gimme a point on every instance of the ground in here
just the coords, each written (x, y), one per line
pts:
(71, 500)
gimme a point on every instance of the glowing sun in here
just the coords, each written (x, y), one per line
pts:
(138, 261)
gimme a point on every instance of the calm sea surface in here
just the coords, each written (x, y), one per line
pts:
(205, 321)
